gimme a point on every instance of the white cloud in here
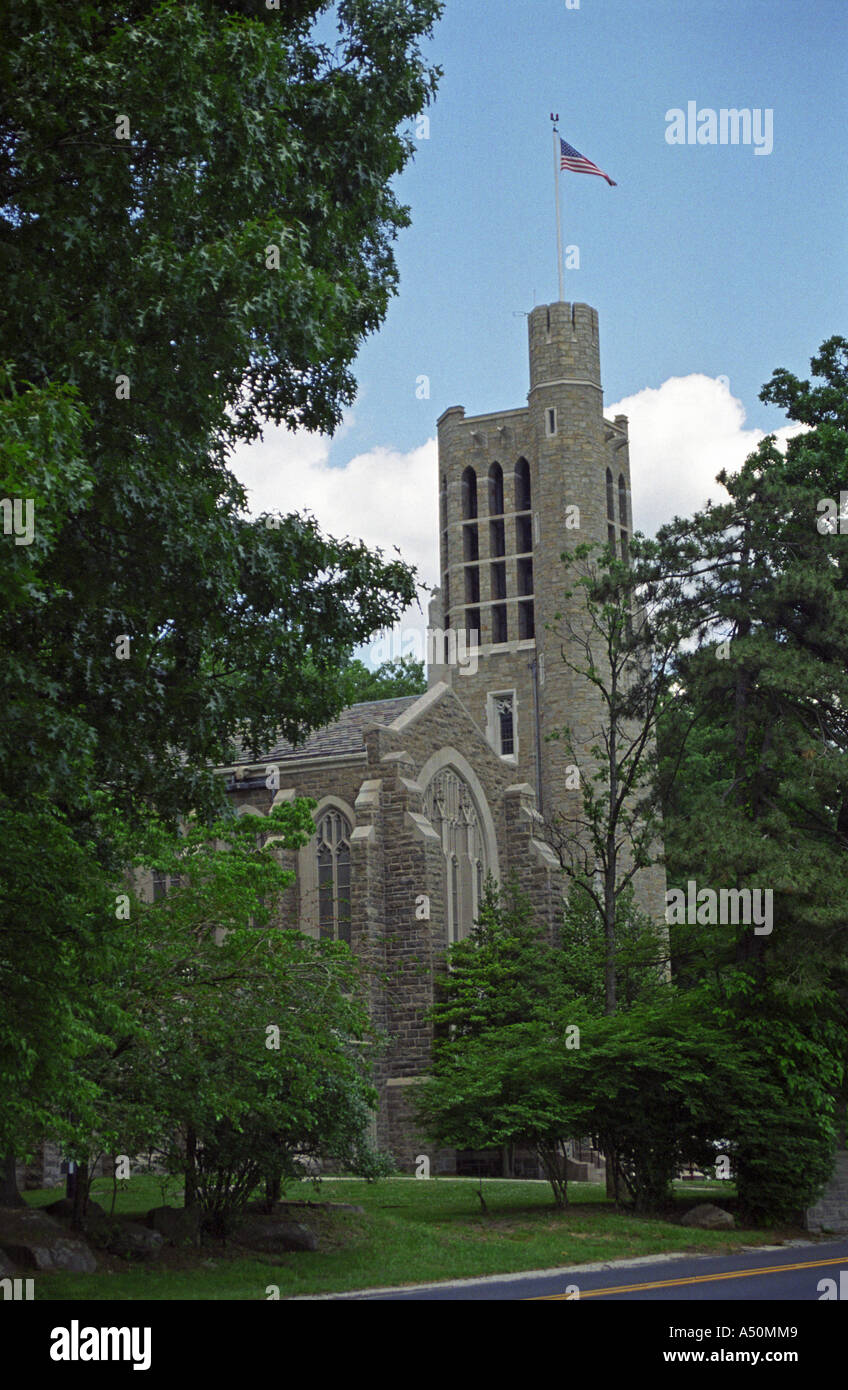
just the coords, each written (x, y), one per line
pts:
(681, 435)
(384, 497)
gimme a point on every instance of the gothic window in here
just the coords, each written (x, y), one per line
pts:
(496, 490)
(502, 723)
(453, 815)
(622, 501)
(610, 496)
(522, 486)
(333, 855)
(469, 494)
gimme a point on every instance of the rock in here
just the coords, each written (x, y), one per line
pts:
(7, 1269)
(63, 1210)
(136, 1242)
(177, 1225)
(128, 1239)
(34, 1240)
(318, 1206)
(708, 1217)
(274, 1236)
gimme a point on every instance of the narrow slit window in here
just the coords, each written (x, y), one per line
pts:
(469, 494)
(496, 490)
(522, 486)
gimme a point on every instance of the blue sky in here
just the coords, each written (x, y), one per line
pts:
(709, 264)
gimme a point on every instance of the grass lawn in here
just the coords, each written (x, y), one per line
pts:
(411, 1231)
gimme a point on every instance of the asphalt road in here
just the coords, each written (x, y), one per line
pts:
(785, 1274)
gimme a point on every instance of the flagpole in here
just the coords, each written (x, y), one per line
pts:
(558, 209)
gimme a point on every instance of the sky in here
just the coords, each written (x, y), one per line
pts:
(710, 264)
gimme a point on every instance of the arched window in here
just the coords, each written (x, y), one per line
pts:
(452, 813)
(496, 490)
(622, 501)
(610, 496)
(522, 486)
(469, 494)
(333, 855)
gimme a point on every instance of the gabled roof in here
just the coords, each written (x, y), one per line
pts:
(344, 735)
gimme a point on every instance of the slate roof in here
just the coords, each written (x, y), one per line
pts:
(344, 735)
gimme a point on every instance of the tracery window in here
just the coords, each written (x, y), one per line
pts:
(333, 854)
(451, 811)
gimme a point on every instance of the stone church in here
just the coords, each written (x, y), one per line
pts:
(419, 798)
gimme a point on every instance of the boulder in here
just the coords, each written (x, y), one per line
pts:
(708, 1217)
(63, 1210)
(125, 1238)
(176, 1225)
(34, 1240)
(273, 1235)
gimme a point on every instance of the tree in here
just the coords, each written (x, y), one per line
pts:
(197, 217)
(401, 676)
(228, 1042)
(140, 232)
(496, 1078)
(755, 758)
(616, 648)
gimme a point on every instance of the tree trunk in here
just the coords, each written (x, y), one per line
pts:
(190, 1198)
(81, 1187)
(9, 1194)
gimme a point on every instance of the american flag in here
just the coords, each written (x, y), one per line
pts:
(578, 163)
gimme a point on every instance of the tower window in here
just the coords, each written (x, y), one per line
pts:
(500, 630)
(523, 535)
(333, 853)
(470, 542)
(550, 421)
(472, 626)
(496, 490)
(469, 494)
(497, 539)
(610, 496)
(622, 500)
(472, 584)
(526, 621)
(625, 548)
(522, 486)
(498, 580)
(611, 539)
(443, 503)
(525, 577)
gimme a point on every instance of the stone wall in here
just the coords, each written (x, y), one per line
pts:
(830, 1212)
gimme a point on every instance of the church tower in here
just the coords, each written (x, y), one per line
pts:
(517, 488)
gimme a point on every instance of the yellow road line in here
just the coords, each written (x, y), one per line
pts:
(693, 1279)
